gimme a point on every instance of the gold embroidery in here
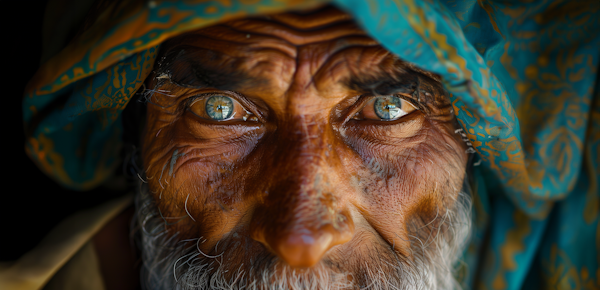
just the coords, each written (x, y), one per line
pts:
(560, 273)
(513, 244)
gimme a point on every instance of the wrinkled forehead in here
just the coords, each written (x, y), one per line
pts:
(322, 48)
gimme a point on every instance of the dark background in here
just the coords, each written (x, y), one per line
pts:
(31, 204)
(26, 207)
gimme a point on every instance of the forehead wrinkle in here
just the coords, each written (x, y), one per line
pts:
(335, 47)
(294, 35)
(222, 44)
(240, 38)
(350, 64)
(314, 19)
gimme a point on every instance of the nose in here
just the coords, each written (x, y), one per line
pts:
(303, 213)
(302, 246)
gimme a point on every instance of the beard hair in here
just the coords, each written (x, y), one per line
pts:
(172, 263)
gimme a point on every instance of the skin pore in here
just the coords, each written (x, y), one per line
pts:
(315, 167)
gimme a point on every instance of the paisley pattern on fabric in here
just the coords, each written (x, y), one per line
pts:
(523, 81)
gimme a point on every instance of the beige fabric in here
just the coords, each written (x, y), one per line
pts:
(37, 267)
(81, 272)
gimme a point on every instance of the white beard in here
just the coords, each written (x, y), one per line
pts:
(169, 263)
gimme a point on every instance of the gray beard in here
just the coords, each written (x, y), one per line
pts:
(172, 263)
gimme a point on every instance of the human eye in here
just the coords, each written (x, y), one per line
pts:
(220, 107)
(384, 108)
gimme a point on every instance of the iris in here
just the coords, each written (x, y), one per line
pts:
(219, 107)
(388, 107)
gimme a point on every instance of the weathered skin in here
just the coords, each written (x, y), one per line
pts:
(310, 176)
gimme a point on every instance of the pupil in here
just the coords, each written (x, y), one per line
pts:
(388, 108)
(219, 107)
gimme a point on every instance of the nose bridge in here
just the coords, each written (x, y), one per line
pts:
(301, 216)
(307, 149)
(304, 187)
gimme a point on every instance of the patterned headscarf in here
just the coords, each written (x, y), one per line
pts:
(523, 82)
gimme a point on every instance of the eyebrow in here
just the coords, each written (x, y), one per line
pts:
(383, 85)
(185, 68)
(402, 81)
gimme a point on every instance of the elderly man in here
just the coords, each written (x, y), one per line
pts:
(321, 148)
(293, 151)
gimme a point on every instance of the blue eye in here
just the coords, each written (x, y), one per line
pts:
(384, 108)
(388, 107)
(219, 107)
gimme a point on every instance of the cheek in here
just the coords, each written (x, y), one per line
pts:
(195, 174)
(408, 178)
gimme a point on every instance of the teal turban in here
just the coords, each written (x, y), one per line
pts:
(523, 80)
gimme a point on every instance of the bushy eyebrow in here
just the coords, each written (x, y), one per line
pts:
(185, 68)
(383, 84)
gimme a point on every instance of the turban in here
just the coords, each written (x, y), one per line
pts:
(522, 78)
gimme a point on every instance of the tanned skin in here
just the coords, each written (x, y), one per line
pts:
(305, 171)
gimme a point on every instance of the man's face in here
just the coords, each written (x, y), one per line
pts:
(295, 145)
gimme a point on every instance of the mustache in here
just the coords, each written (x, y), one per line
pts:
(171, 262)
